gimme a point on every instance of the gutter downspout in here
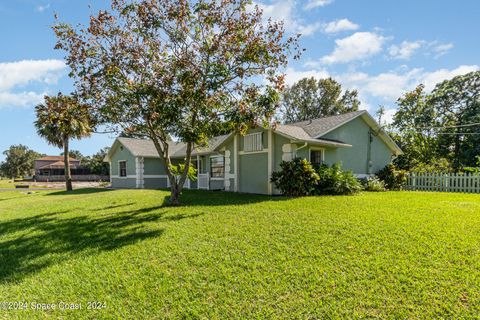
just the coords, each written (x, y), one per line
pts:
(306, 144)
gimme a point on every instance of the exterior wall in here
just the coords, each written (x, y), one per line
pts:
(253, 173)
(124, 183)
(356, 158)
(120, 155)
(381, 155)
(129, 182)
(155, 183)
(152, 166)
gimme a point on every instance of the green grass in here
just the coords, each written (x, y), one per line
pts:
(4, 183)
(381, 255)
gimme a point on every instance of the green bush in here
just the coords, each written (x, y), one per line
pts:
(393, 178)
(296, 178)
(335, 181)
(373, 184)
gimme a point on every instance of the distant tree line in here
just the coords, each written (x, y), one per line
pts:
(438, 131)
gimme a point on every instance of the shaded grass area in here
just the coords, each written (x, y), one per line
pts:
(223, 255)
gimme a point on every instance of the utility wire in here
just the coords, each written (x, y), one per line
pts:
(451, 127)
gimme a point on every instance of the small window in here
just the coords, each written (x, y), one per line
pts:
(217, 167)
(122, 168)
(316, 157)
(253, 142)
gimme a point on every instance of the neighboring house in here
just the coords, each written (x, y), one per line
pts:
(52, 169)
(244, 163)
(53, 166)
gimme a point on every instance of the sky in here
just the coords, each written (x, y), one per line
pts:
(382, 48)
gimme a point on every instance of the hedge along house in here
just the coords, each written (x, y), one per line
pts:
(245, 163)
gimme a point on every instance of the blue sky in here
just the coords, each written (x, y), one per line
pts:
(381, 48)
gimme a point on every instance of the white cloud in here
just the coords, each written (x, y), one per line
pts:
(441, 49)
(15, 75)
(383, 88)
(393, 84)
(317, 3)
(293, 75)
(430, 79)
(405, 50)
(309, 29)
(388, 116)
(41, 8)
(340, 25)
(284, 10)
(358, 46)
(23, 99)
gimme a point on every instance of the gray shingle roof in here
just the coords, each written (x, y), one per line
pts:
(309, 131)
(299, 133)
(146, 148)
(318, 127)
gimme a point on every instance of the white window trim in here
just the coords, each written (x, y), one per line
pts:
(316, 149)
(254, 136)
(243, 153)
(126, 173)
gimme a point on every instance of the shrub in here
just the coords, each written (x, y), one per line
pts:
(373, 184)
(296, 178)
(393, 178)
(334, 181)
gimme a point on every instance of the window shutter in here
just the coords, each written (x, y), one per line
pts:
(253, 142)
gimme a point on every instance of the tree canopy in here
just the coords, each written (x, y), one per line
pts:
(310, 98)
(62, 118)
(178, 68)
(19, 160)
(440, 129)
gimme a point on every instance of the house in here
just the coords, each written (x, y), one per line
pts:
(50, 166)
(52, 169)
(244, 163)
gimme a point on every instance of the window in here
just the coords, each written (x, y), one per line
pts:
(253, 142)
(217, 167)
(122, 168)
(316, 157)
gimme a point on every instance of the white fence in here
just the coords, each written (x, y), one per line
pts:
(452, 182)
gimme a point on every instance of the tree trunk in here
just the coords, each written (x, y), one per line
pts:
(175, 194)
(66, 157)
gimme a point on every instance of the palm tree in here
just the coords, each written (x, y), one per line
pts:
(62, 118)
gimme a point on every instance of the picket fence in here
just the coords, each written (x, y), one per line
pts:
(452, 182)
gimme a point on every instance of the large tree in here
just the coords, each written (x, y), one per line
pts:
(62, 118)
(310, 98)
(178, 68)
(414, 126)
(18, 162)
(458, 104)
(96, 164)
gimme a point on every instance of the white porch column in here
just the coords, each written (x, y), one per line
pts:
(235, 163)
(270, 160)
(226, 180)
(140, 172)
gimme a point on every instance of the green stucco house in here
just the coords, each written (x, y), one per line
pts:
(245, 163)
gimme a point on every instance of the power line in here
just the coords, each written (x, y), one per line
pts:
(459, 133)
(451, 127)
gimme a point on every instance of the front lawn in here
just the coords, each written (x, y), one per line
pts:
(386, 255)
(4, 183)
